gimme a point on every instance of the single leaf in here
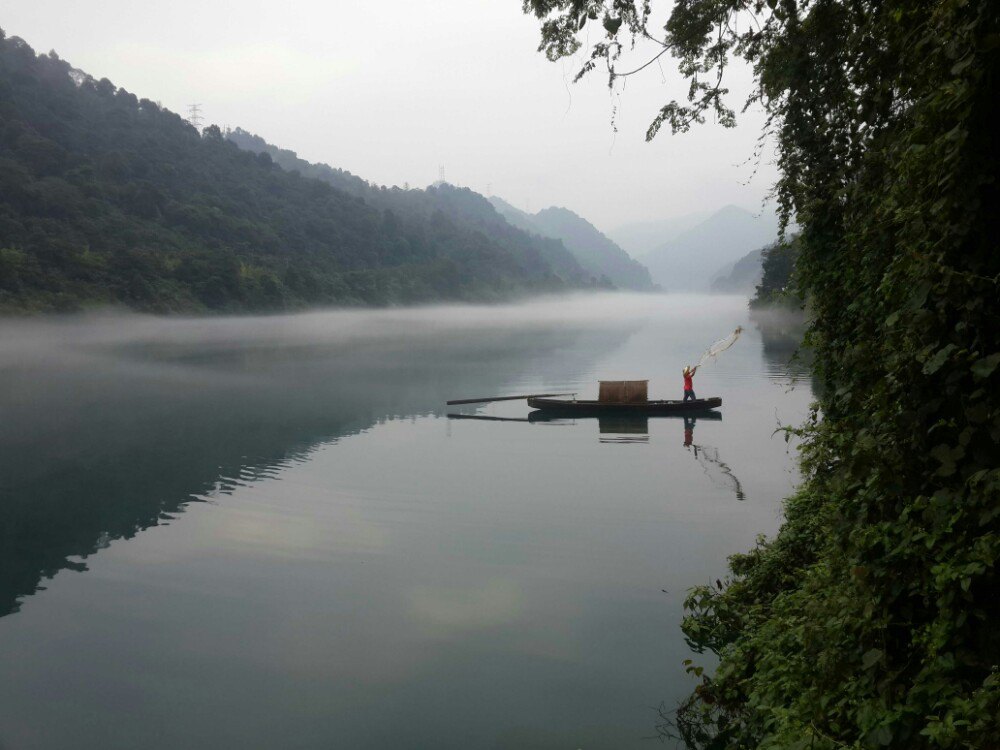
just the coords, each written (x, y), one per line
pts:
(984, 367)
(871, 658)
(962, 64)
(611, 25)
(936, 362)
(882, 735)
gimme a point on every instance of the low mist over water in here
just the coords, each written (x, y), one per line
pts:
(267, 531)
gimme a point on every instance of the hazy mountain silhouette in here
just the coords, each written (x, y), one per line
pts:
(640, 238)
(691, 259)
(598, 254)
(515, 216)
(741, 277)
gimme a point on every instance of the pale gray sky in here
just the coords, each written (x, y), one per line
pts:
(390, 90)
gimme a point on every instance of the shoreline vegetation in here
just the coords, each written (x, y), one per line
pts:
(869, 619)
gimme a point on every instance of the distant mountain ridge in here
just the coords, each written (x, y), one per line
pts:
(690, 260)
(640, 238)
(597, 253)
(106, 198)
(457, 203)
(741, 277)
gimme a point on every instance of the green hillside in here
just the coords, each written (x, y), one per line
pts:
(106, 198)
(462, 206)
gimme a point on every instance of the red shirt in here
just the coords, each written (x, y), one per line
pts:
(688, 383)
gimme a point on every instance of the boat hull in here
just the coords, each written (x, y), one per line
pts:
(563, 406)
(615, 418)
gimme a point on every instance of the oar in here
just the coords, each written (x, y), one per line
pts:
(488, 419)
(503, 398)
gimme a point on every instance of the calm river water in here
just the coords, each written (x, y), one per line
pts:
(267, 532)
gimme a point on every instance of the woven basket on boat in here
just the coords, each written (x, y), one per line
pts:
(623, 391)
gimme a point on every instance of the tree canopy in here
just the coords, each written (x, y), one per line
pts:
(777, 286)
(869, 620)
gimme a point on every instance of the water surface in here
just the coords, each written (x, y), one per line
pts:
(267, 532)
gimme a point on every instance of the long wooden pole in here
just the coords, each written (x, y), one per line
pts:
(504, 398)
(488, 418)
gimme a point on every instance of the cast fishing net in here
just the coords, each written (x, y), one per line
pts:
(719, 347)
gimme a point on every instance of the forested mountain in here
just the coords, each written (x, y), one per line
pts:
(741, 276)
(766, 273)
(108, 198)
(460, 205)
(777, 282)
(598, 255)
(515, 216)
(692, 258)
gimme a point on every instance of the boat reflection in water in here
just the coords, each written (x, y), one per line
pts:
(715, 468)
(635, 429)
(624, 424)
(621, 428)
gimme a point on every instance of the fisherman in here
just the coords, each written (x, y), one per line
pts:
(688, 373)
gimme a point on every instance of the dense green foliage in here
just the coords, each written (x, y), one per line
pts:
(106, 198)
(777, 286)
(460, 205)
(870, 619)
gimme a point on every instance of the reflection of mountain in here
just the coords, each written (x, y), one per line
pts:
(106, 433)
(781, 333)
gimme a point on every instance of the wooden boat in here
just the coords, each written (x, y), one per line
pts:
(611, 420)
(592, 408)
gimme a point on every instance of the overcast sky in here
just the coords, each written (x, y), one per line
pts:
(391, 90)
